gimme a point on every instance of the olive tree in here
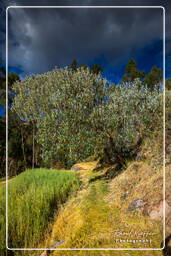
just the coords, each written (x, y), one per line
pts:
(60, 103)
(77, 114)
(131, 112)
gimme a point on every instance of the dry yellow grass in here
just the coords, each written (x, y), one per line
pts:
(90, 218)
(139, 180)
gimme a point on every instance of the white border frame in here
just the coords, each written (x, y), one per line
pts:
(164, 175)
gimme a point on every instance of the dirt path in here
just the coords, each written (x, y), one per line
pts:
(88, 219)
(4, 181)
(84, 171)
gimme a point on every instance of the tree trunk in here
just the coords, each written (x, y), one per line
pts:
(33, 147)
(112, 154)
(22, 143)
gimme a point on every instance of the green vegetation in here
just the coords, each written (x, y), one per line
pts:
(131, 114)
(63, 117)
(95, 68)
(34, 196)
(20, 134)
(132, 72)
(77, 115)
(168, 83)
(61, 111)
(44, 140)
(152, 79)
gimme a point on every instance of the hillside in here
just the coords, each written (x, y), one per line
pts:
(110, 207)
(129, 206)
(104, 179)
(105, 208)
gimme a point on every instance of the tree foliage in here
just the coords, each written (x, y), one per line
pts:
(60, 103)
(153, 78)
(122, 122)
(19, 134)
(73, 65)
(12, 77)
(76, 114)
(132, 72)
(168, 83)
(95, 68)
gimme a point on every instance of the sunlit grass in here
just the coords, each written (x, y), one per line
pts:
(89, 221)
(34, 197)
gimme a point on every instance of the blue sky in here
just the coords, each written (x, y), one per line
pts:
(144, 62)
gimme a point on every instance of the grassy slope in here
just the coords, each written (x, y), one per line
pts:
(89, 219)
(34, 195)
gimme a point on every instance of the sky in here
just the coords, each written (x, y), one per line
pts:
(41, 39)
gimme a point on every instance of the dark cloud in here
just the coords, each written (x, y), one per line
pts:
(40, 39)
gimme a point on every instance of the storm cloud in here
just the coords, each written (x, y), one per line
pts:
(42, 38)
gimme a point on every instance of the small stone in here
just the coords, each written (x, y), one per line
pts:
(76, 168)
(136, 204)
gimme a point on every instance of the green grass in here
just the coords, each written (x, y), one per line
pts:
(2, 179)
(34, 197)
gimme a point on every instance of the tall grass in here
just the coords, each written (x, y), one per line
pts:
(33, 197)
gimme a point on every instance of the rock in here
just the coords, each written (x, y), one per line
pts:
(76, 168)
(57, 244)
(124, 196)
(136, 204)
(50, 250)
(156, 212)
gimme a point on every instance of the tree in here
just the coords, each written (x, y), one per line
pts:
(12, 78)
(60, 104)
(84, 66)
(153, 78)
(168, 83)
(131, 72)
(73, 65)
(2, 69)
(122, 122)
(2, 85)
(2, 146)
(19, 133)
(74, 117)
(96, 69)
